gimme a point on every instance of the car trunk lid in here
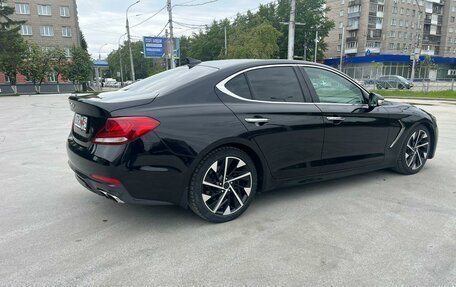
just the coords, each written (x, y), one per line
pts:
(91, 111)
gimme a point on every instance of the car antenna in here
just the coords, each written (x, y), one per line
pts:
(193, 62)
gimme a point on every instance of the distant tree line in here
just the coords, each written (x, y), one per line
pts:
(144, 67)
(37, 63)
(262, 34)
(254, 35)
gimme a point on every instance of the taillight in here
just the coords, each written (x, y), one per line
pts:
(107, 180)
(123, 130)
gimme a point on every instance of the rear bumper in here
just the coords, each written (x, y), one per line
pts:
(118, 193)
(148, 173)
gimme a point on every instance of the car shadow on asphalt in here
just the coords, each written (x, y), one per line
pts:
(164, 217)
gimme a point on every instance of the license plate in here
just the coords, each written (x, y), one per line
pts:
(80, 122)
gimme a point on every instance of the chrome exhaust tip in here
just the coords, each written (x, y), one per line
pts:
(110, 196)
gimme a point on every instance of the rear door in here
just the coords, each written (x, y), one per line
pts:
(274, 104)
(355, 136)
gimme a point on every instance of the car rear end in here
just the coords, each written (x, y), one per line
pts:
(114, 146)
(102, 149)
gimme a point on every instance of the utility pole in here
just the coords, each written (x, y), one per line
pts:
(418, 40)
(291, 30)
(129, 42)
(171, 33)
(121, 64)
(167, 50)
(226, 44)
(316, 46)
(305, 51)
(342, 48)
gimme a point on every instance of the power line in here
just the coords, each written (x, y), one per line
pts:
(155, 14)
(166, 25)
(193, 5)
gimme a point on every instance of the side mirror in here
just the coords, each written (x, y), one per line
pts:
(375, 100)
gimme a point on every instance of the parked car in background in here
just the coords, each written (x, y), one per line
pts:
(209, 135)
(394, 82)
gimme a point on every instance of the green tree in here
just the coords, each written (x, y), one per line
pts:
(37, 65)
(259, 42)
(59, 64)
(208, 43)
(144, 67)
(79, 68)
(83, 41)
(12, 45)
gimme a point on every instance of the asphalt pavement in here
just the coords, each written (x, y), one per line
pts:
(374, 229)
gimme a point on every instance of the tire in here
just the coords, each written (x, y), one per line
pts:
(379, 87)
(414, 151)
(218, 198)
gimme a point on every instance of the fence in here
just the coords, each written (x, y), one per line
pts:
(426, 79)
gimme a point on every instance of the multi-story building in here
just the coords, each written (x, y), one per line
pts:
(383, 35)
(49, 23)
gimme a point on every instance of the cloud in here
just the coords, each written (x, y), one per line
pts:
(103, 21)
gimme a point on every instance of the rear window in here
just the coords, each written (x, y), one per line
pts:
(278, 84)
(239, 86)
(170, 80)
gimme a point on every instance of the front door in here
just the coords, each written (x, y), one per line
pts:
(355, 136)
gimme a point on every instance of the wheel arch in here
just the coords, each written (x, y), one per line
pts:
(428, 124)
(431, 129)
(242, 144)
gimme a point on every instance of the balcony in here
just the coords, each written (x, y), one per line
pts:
(354, 2)
(354, 14)
(351, 51)
(353, 27)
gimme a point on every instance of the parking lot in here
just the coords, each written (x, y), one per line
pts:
(379, 228)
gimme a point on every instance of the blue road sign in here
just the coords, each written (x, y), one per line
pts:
(155, 47)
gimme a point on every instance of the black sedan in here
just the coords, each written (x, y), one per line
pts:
(210, 135)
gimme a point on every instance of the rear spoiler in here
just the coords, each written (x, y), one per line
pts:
(78, 105)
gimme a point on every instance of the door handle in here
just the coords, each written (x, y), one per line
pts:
(257, 121)
(335, 119)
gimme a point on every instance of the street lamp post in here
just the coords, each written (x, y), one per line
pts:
(129, 41)
(418, 41)
(120, 60)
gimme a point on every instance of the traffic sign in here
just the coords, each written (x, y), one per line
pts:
(155, 47)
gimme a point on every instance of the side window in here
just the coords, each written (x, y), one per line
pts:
(332, 88)
(279, 84)
(239, 86)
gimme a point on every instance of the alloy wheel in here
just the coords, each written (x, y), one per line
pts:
(227, 185)
(417, 149)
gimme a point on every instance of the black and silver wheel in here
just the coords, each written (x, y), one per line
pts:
(415, 151)
(223, 185)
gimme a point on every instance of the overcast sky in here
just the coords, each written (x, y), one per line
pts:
(103, 21)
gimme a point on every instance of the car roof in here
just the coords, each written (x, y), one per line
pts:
(248, 63)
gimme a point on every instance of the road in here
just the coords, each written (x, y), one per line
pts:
(379, 228)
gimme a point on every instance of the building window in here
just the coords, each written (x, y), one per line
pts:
(23, 8)
(52, 77)
(66, 31)
(26, 30)
(47, 31)
(44, 10)
(67, 52)
(65, 11)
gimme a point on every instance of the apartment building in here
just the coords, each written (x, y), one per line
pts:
(49, 23)
(389, 32)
